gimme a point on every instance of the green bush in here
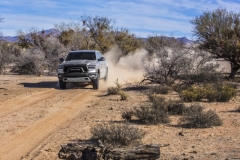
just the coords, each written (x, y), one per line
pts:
(216, 92)
(226, 93)
(201, 119)
(192, 94)
(117, 134)
(114, 90)
(123, 95)
(220, 93)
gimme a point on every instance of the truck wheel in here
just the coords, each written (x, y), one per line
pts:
(62, 84)
(106, 76)
(95, 82)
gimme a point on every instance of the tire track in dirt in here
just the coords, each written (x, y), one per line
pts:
(16, 104)
(24, 142)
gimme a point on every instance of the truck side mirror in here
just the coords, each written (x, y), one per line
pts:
(61, 60)
(102, 59)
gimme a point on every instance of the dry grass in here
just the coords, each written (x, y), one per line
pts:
(117, 134)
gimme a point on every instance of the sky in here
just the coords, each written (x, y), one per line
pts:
(141, 17)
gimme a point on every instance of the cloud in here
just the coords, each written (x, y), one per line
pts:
(139, 16)
(25, 22)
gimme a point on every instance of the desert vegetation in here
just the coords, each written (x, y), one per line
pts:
(188, 72)
(117, 134)
(167, 57)
(160, 110)
(212, 93)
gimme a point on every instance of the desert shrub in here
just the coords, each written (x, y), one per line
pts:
(173, 63)
(127, 115)
(226, 93)
(39, 52)
(151, 115)
(193, 109)
(117, 134)
(123, 95)
(197, 118)
(161, 89)
(219, 92)
(8, 54)
(192, 94)
(176, 107)
(114, 90)
(215, 92)
(152, 97)
(155, 98)
(211, 95)
(30, 62)
(233, 85)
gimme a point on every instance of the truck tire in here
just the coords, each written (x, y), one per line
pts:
(95, 82)
(62, 85)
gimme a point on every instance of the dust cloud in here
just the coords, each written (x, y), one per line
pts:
(126, 69)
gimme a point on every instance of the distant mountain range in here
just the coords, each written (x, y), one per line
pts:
(53, 31)
(56, 32)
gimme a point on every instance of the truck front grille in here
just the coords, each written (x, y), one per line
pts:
(71, 69)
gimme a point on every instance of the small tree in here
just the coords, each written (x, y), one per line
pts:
(218, 32)
(100, 31)
(74, 36)
(40, 53)
(8, 53)
(172, 63)
(126, 41)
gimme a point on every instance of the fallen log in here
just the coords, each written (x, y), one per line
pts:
(93, 150)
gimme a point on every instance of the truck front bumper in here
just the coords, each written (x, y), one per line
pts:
(79, 77)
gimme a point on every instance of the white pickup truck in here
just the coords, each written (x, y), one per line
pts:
(82, 66)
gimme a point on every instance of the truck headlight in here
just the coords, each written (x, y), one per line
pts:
(91, 68)
(60, 70)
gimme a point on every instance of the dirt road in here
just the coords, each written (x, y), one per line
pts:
(36, 118)
(35, 111)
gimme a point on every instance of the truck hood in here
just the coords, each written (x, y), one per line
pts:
(77, 62)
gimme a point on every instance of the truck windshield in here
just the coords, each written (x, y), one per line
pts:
(81, 56)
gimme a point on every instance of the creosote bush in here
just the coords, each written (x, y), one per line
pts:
(213, 93)
(161, 89)
(151, 115)
(117, 134)
(158, 112)
(176, 107)
(193, 109)
(127, 115)
(170, 107)
(123, 95)
(156, 98)
(201, 119)
(112, 90)
(115, 89)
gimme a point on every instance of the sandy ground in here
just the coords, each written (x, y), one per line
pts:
(36, 118)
